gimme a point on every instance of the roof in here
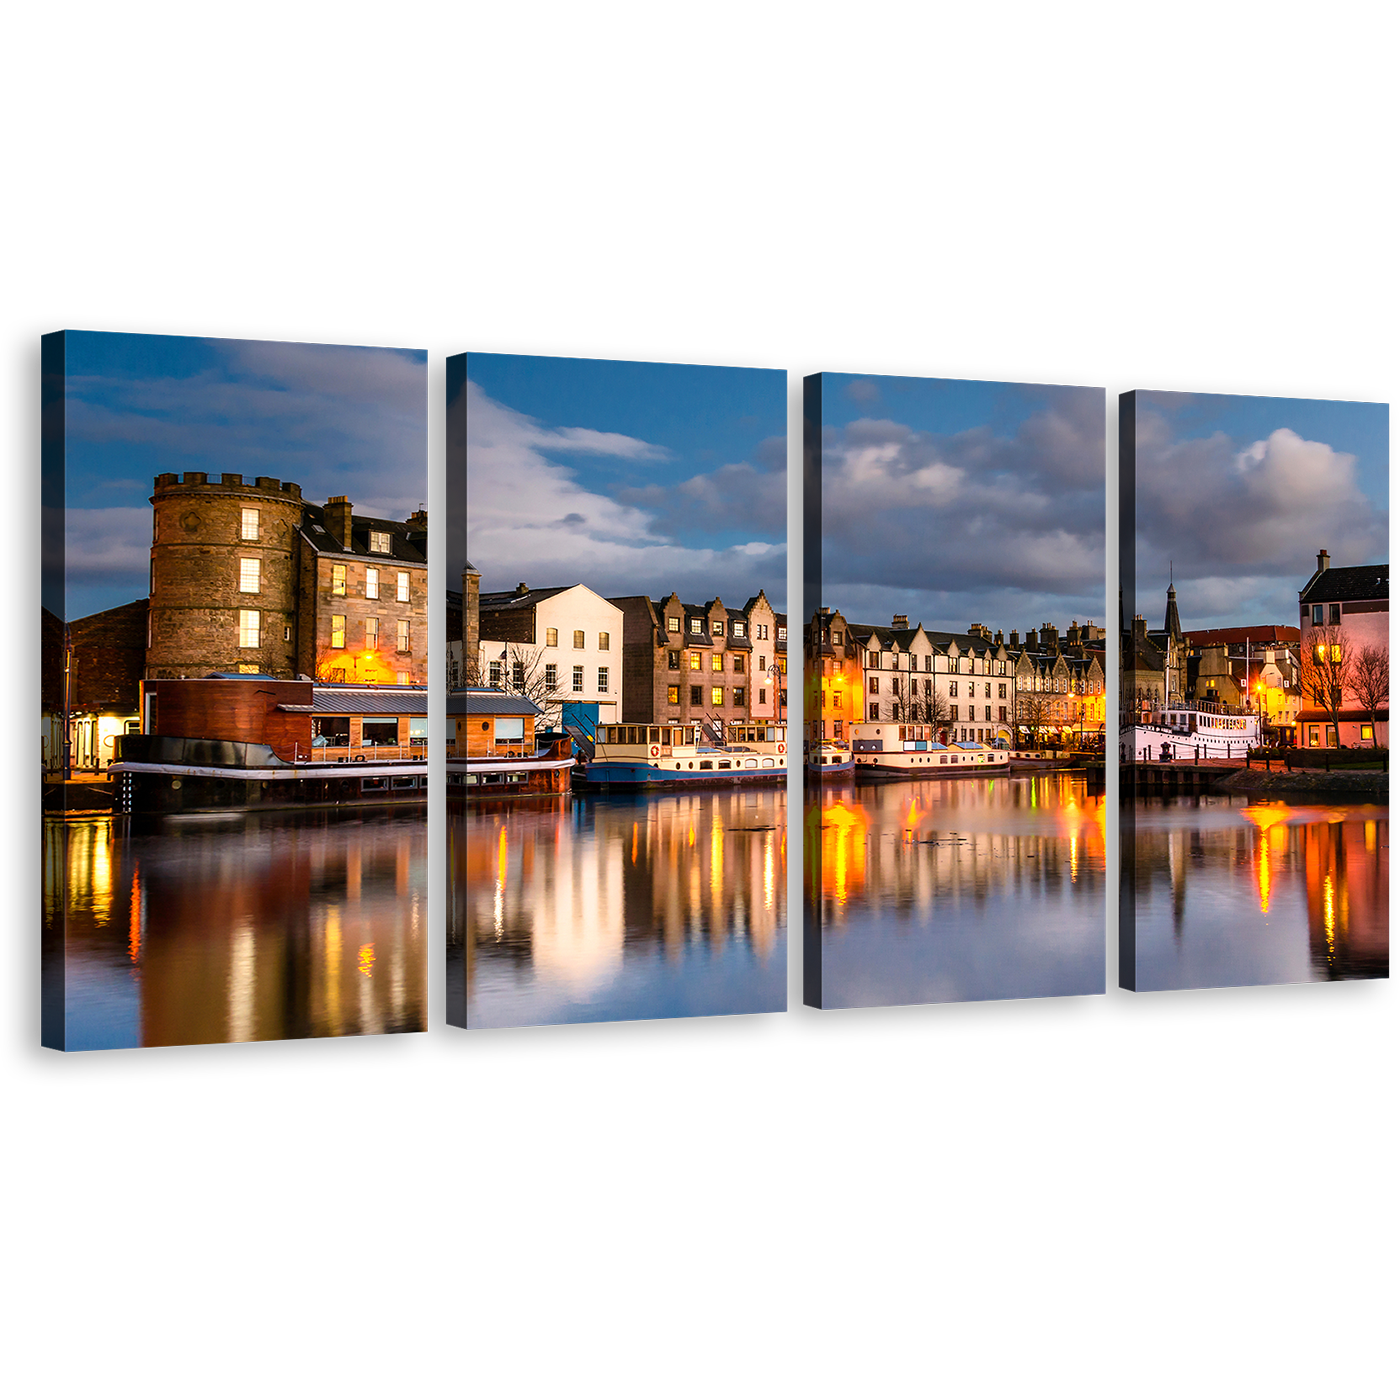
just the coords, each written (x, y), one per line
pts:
(369, 700)
(1348, 584)
(408, 544)
(490, 702)
(1265, 634)
(512, 600)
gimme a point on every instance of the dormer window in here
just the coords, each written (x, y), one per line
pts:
(673, 624)
(782, 634)
(738, 629)
(717, 628)
(696, 625)
(380, 542)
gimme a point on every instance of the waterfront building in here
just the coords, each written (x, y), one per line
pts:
(702, 663)
(1059, 696)
(835, 683)
(248, 578)
(1265, 678)
(558, 645)
(1341, 613)
(104, 656)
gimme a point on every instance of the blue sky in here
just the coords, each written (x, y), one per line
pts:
(1236, 494)
(628, 477)
(956, 501)
(336, 419)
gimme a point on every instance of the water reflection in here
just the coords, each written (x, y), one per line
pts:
(1234, 893)
(957, 889)
(618, 908)
(244, 927)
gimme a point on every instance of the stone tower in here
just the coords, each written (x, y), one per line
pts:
(224, 557)
(471, 620)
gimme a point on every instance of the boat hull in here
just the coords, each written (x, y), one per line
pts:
(620, 775)
(166, 789)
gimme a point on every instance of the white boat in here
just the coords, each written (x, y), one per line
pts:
(911, 751)
(832, 759)
(676, 755)
(1185, 732)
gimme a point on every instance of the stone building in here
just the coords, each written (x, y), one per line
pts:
(106, 659)
(702, 663)
(248, 578)
(834, 684)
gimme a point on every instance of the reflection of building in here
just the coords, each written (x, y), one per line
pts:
(247, 577)
(1349, 609)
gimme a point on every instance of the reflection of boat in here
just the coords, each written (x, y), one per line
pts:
(542, 772)
(672, 755)
(832, 759)
(911, 751)
(1205, 730)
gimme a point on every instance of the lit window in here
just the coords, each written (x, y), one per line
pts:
(717, 695)
(673, 624)
(578, 641)
(694, 660)
(338, 580)
(874, 685)
(673, 695)
(578, 680)
(403, 587)
(738, 629)
(782, 634)
(403, 634)
(603, 680)
(247, 668)
(1366, 731)
(603, 640)
(337, 631)
(696, 625)
(249, 628)
(379, 542)
(249, 529)
(1336, 655)
(717, 661)
(551, 636)
(371, 633)
(371, 583)
(249, 576)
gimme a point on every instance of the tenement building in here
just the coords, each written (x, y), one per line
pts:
(248, 578)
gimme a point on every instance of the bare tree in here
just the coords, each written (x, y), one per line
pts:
(521, 670)
(1327, 672)
(931, 708)
(1036, 712)
(1370, 682)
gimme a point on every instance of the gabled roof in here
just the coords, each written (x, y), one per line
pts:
(1361, 581)
(407, 543)
(490, 702)
(518, 602)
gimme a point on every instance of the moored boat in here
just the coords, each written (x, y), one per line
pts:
(1180, 732)
(831, 759)
(911, 751)
(676, 755)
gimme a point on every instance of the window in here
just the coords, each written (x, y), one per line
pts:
(403, 587)
(1336, 655)
(673, 661)
(695, 695)
(697, 624)
(578, 680)
(717, 695)
(379, 542)
(673, 624)
(1001, 691)
(875, 710)
(738, 629)
(578, 641)
(338, 580)
(551, 636)
(739, 663)
(337, 631)
(988, 714)
(403, 634)
(762, 665)
(404, 678)
(717, 661)
(763, 696)
(760, 631)
(249, 576)
(1001, 713)
(952, 687)
(782, 634)
(551, 676)
(738, 695)
(694, 660)
(953, 714)
(1334, 614)
(371, 633)
(510, 730)
(1317, 614)
(517, 674)
(247, 668)
(249, 530)
(987, 688)
(1366, 731)
(495, 673)
(603, 679)
(603, 640)
(371, 583)
(874, 685)
(673, 695)
(717, 629)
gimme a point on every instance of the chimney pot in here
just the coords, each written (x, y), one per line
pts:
(1323, 560)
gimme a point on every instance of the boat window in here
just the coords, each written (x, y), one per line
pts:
(724, 763)
(373, 784)
(653, 735)
(768, 762)
(405, 782)
(750, 763)
(705, 763)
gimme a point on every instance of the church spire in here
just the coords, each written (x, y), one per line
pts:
(1173, 622)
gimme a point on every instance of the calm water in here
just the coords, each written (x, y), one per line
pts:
(1237, 893)
(962, 889)
(618, 908)
(240, 927)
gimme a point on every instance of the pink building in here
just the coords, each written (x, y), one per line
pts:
(1356, 600)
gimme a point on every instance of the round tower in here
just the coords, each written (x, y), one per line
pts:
(223, 576)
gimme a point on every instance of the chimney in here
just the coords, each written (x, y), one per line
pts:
(900, 622)
(418, 520)
(521, 589)
(1014, 638)
(998, 636)
(1323, 560)
(337, 517)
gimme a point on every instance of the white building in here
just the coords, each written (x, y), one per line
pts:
(556, 645)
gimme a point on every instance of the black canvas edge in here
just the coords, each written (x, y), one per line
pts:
(456, 454)
(1127, 610)
(811, 686)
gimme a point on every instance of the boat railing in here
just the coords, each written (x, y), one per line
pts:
(364, 753)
